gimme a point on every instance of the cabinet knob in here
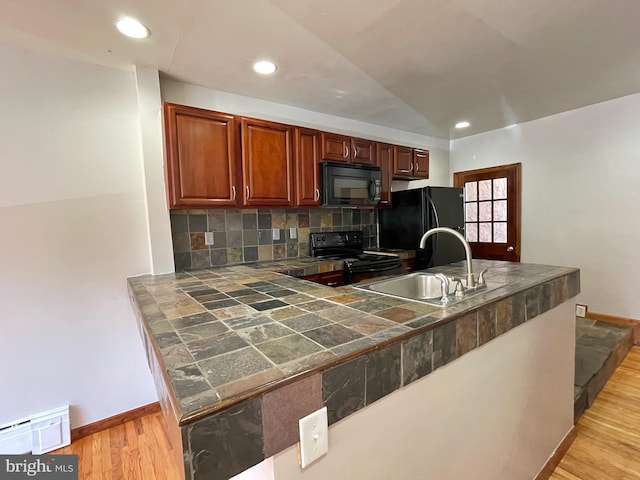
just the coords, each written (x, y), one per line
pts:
(510, 249)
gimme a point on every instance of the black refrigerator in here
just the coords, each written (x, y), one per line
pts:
(413, 212)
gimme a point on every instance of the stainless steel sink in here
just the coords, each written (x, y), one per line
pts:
(418, 286)
(427, 288)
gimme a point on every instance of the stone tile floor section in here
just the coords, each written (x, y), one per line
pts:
(600, 347)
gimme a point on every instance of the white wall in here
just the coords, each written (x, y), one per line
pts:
(72, 214)
(151, 139)
(580, 194)
(497, 413)
(186, 94)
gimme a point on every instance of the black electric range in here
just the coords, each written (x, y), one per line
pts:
(348, 247)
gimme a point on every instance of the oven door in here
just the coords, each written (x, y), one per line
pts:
(355, 274)
(350, 185)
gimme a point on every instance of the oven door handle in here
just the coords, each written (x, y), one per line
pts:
(375, 269)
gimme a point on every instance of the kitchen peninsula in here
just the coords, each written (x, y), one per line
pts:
(240, 353)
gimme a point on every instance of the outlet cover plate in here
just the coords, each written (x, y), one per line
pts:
(581, 310)
(314, 441)
(208, 238)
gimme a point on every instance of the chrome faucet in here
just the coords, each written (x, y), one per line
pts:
(471, 283)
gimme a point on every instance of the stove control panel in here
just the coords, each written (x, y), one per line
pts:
(336, 239)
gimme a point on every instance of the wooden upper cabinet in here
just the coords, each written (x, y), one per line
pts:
(410, 163)
(363, 151)
(420, 163)
(307, 159)
(402, 161)
(342, 148)
(385, 161)
(336, 148)
(200, 156)
(267, 163)
(214, 159)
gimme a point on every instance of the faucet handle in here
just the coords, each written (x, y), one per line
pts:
(459, 289)
(481, 277)
(444, 283)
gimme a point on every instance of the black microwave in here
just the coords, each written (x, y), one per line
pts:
(346, 184)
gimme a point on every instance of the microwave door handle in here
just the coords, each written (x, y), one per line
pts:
(372, 189)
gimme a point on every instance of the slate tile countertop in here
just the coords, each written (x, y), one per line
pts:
(225, 335)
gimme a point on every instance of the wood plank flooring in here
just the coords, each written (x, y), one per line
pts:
(607, 446)
(608, 443)
(136, 450)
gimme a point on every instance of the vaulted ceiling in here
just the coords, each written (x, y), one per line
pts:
(414, 65)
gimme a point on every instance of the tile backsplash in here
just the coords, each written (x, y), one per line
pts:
(241, 236)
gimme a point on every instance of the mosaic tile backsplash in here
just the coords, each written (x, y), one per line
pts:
(242, 236)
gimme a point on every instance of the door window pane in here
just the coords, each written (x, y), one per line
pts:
(485, 232)
(485, 211)
(471, 214)
(471, 191)
(471, 232)
(500, 210)
(484, 190)
(500, 232)
(499, 188)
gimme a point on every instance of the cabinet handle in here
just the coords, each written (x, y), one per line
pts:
(411, 167)
(355, 152)
(317, 194)
(383, 201)
(233, 192)
(248, 196)
(417, 165)
(346, 151)
(332, 284)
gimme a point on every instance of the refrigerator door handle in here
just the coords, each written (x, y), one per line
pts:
(435, 212)
(437, 224)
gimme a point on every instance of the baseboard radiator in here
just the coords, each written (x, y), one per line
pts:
(36, 434)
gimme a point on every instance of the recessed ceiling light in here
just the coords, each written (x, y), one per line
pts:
(264, 67)
(132, 28)
(464, 124)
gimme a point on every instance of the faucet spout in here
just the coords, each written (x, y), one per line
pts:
(467, 249)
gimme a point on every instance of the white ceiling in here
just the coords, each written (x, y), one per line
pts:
(414, 65)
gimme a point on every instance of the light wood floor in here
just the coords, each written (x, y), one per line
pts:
(136, 450)
(608, 443)
(607, 446)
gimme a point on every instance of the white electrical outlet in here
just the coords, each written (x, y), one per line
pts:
(314, 441)
(208, 238)
(276, 234)
(293, 233)
(581, 310)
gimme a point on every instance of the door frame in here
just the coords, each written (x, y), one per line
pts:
(516, 168)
